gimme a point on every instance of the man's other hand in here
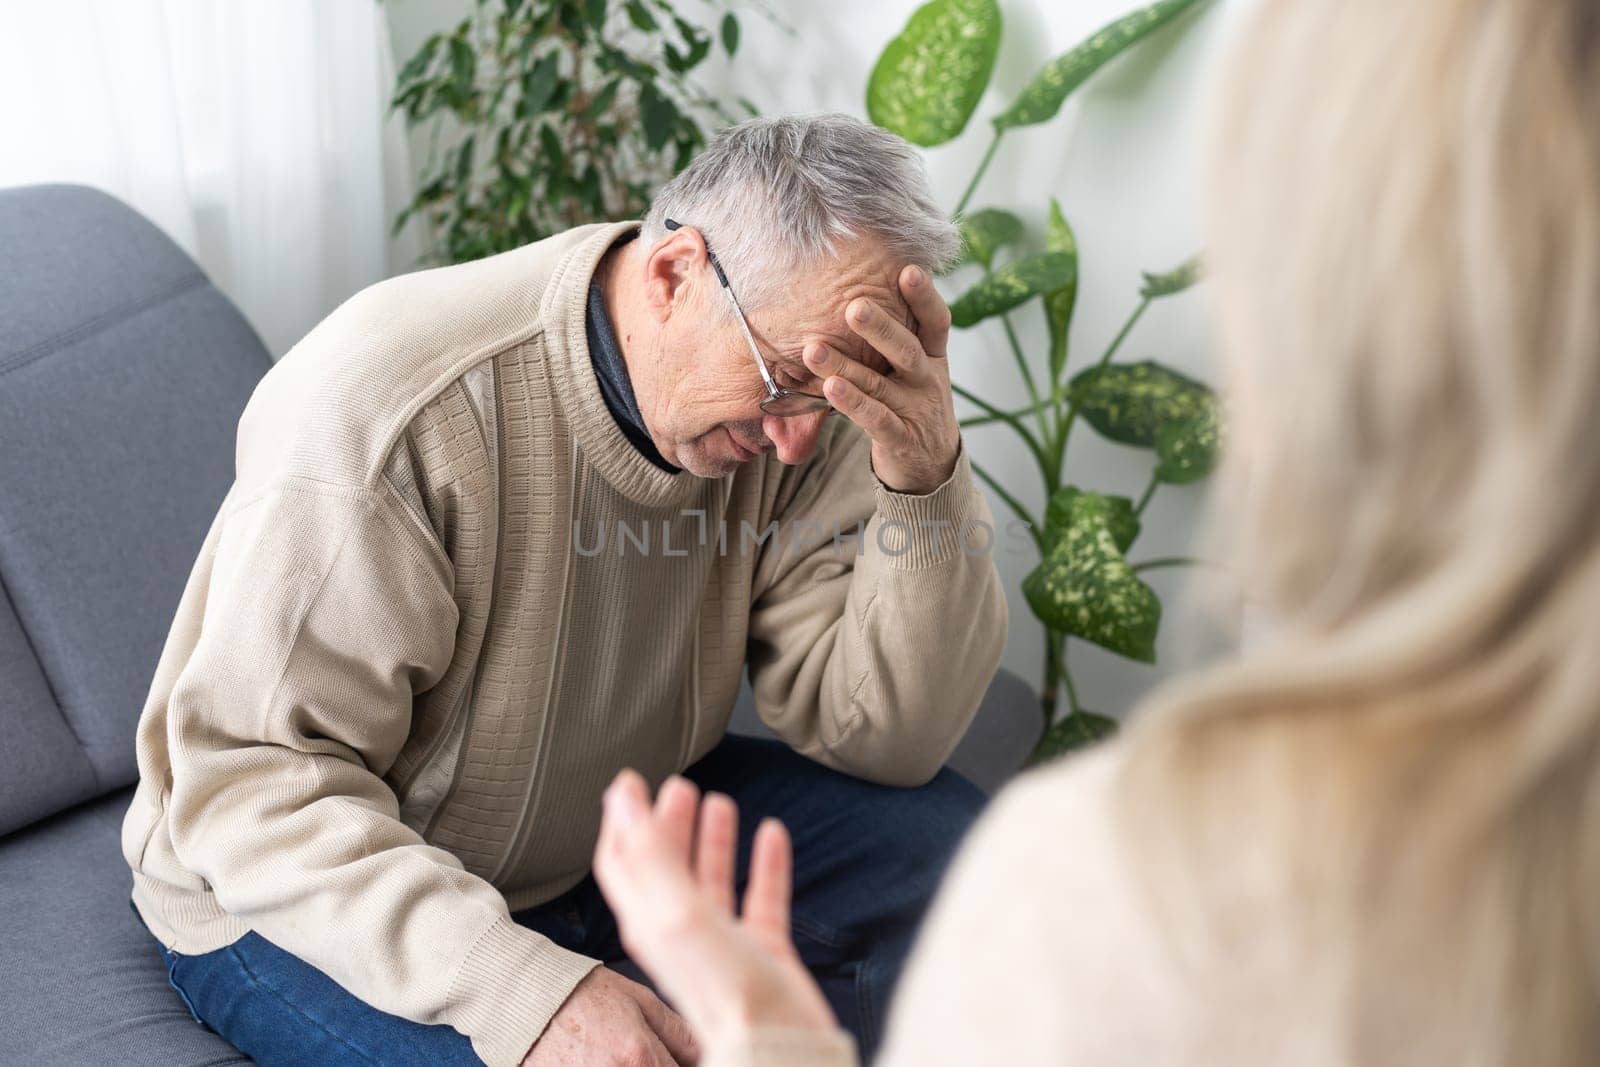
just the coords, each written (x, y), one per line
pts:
(608, 1019)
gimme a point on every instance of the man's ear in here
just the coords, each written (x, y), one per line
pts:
(669, 268)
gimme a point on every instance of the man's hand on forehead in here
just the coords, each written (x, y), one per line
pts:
(861, 349)
(898, 389)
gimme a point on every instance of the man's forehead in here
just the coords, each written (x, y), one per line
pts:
(821, 314)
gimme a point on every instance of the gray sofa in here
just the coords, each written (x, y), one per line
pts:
(122, 374)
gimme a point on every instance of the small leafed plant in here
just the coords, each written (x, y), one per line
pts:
(925, 87)
(562, 112)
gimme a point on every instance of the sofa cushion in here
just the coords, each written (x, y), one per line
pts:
(42, 767)
(84, 982)
(122, 376)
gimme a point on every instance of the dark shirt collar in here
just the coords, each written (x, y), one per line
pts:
(612, 372)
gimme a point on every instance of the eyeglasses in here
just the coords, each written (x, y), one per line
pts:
(781, 400)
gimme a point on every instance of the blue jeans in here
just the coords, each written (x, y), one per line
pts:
(867, 861)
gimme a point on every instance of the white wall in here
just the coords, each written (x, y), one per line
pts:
(252, 133)
(1123, 159)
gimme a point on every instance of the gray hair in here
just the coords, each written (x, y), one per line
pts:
(774, 196)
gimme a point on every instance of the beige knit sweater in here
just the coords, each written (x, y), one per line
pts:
(406, 664)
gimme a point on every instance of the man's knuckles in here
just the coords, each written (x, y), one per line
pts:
(634, 1050)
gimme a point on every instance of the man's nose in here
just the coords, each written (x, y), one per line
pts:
(795, 437)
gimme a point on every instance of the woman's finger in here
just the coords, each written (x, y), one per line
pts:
(676, 806)
(766, 897)
(715, 842)
(626, 801)
(625, 810)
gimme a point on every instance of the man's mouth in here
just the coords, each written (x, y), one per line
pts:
(741, 450)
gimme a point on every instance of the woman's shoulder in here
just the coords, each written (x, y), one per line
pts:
(1037, 940)
(1068, 799)
(1050, 847)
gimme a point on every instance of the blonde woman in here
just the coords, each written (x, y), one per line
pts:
(1377, 840)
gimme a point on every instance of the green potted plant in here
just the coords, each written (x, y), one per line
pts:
(925, 87)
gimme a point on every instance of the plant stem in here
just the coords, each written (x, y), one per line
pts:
(1027, 376)
(1116, 342)
(1166, 561)
(1018, 425)
(1049, 691)
(982, 420)
(1061, 390)
(1012, 503)
(1057, 676)
(983, 165)
(1066, 680)
(1149, 491)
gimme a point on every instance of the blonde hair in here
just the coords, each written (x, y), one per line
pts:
(1398, 799)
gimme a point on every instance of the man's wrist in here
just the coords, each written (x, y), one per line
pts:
(919, 486)
(510, 985)
(916, 530)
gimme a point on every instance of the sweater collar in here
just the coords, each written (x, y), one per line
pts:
(602, 441)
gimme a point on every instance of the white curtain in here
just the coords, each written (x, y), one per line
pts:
(256, 133)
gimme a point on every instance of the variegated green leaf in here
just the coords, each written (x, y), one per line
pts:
(1078, 730)
(1058, 237)
(1188, 447)
(983, 233)
(1011, 285)
(1071, 504)
(931, 77)
(1043, 97)
(1129, 402)
(1173, 281)
(1084, 586)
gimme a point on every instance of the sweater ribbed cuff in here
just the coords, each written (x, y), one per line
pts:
(510, 984)
(775, 1046)
(915, 530)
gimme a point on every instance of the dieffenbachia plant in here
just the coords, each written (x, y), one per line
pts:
(925, 88)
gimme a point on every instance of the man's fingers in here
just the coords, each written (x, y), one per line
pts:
(929, 309)
(828, 362)
(715, 842)
(766, 897)
(676, 1038)
(888, 336)
(873, 416)
(660, 1055)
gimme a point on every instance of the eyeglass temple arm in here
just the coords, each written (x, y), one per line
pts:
(712, 256)
(738, 312)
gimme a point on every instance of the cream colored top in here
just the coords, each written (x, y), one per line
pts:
(1044, 946)
(446, 600)
(1035, 951)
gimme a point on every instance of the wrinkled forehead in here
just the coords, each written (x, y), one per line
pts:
(820, 300)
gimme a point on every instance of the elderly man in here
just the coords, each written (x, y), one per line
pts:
(503, 528)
